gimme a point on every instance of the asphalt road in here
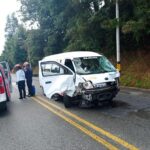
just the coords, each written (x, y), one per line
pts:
(38, 123)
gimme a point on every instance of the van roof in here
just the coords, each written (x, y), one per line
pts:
(70, 55)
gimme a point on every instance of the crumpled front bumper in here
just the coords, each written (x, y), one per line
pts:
(100, 94)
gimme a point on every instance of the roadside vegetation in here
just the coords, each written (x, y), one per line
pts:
(136, 69)
(73, 25)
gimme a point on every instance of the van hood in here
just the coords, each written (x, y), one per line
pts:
(104, 77)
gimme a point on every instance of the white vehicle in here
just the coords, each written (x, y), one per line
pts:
(87, 77)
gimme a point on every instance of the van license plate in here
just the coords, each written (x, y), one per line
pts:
(100, 85)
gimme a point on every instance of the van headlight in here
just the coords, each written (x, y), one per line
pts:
(87, 85)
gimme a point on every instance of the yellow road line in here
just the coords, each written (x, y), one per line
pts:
(98, 129)
(89, 133)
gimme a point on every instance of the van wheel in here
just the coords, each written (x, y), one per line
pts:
(57, 97)
(67, 101)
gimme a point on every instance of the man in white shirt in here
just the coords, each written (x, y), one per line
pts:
(21, 81)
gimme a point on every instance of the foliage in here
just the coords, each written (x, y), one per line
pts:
(34, 44)
(14, 50)
(136, 72)
(139, 22)
(73, 25)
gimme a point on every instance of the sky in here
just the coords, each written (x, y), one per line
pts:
(6, 8)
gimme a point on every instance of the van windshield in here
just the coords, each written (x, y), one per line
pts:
(93, 65)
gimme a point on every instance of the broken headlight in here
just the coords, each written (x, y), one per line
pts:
(87, 85)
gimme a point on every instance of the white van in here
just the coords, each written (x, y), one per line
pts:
(84, 76)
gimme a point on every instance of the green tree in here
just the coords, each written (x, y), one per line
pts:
(14, 50)
(34, 45)
(87, 24)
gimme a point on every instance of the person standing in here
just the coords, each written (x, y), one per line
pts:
(20, 81)
(28, 75)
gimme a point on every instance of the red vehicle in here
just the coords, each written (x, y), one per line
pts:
(7, 71)
(4, 89)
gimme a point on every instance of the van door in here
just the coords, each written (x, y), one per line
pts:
(56, 79)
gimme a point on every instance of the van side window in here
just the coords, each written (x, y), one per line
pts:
(52, 68)
(69, 64)
(46, 69)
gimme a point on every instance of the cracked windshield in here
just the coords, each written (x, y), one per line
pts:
(93, 65)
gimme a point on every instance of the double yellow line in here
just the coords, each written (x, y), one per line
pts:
(58, 111)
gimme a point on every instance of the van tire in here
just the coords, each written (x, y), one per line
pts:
(56, 97)
(67, 101)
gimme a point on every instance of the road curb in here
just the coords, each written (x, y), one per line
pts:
(135, 88)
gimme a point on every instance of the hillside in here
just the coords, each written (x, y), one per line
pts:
(136, 69)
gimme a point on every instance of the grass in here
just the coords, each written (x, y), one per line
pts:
(134, 80)
(136, 69)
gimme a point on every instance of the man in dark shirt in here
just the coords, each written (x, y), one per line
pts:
(28, 75)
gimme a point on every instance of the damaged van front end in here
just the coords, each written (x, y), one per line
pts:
(86, 77)
(94, 94)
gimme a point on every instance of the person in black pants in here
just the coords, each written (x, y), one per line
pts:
(20, 81)
(28, 75)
